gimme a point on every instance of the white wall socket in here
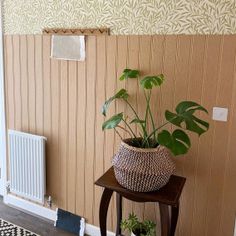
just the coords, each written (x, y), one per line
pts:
(220, 113)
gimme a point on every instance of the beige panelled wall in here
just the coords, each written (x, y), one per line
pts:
(62, 100)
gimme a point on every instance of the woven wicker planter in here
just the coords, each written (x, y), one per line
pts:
(142, 170)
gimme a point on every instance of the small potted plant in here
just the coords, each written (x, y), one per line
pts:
(143, 162)
(137, 228)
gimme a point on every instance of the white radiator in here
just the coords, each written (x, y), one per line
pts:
(27, 165)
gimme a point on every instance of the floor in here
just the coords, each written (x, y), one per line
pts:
(32, 223)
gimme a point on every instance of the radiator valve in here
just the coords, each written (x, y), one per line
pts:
(49, 201)
(8, 187)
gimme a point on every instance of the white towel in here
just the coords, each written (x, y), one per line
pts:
(68, 47)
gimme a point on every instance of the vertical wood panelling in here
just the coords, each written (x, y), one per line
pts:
(90, 127)
(144, 67)
(182, 58)
(72, 144)
(156, 67)
(10, 83)
(6, 80)
(122, 60)
(145, 57)
(17, 81)
(99, 138)
(25, 84)
(181, 78)
(194, 94)
(205, 145)
(215, 194)
(167, 47)
(132, 87)
(81, 122)
(47, 107)
(81, 134)
(169, 64)
(38, 83)
(228, 209)
(156, 64)
(63, 138)
(121, 63)
(62, 100)
(31, 82)
(110, 90)
(55, 95)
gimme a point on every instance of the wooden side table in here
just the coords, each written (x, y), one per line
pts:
(168, 196)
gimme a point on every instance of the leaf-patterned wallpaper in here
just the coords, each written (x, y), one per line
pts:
(122, 16)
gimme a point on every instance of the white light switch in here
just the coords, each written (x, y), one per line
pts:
(220, 113)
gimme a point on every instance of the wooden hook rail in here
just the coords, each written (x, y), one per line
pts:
(85, 31)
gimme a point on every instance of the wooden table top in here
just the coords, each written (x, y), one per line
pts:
(169, 194)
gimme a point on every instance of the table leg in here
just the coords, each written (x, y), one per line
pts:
(104, 204)
(174, 219)
(119, 213)
(165, 219)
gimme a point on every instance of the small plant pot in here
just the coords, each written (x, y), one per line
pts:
(142, 170)
(134, 234)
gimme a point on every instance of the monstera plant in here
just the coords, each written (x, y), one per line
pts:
(151, 137)
(183, 117)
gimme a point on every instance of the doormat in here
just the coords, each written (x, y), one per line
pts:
(70, 222)
(9, 229)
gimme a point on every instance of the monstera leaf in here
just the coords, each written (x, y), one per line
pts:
(178, 142)
(128, 73)
(113, 121)
(184, 117)
(120, 94)
(149, 82)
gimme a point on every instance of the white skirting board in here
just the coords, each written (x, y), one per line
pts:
(1, 188)
(95, 231)
(235, 228)
(44, 212)
(30, 207)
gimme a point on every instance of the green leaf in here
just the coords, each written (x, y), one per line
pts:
(184, 117)
(189, 106)
(113, 121)
(128, 73)
(120, 94)
(137, 121)
(149, 82)
(178, 142)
